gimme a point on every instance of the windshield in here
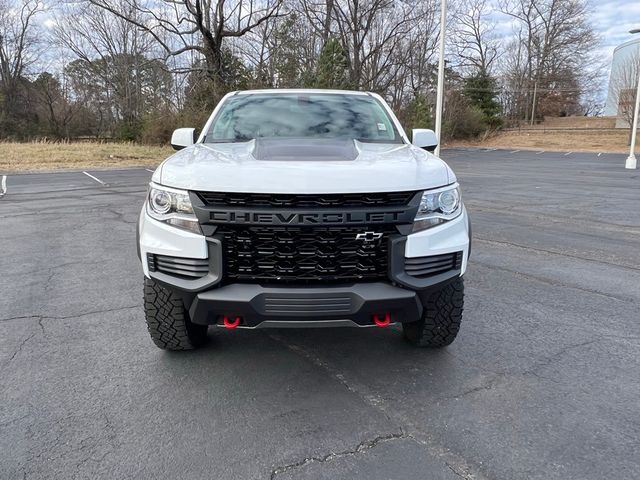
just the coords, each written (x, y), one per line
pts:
(300, 115)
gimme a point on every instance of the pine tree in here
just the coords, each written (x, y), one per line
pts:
(333, 67)
(481, 91)
(419, 113)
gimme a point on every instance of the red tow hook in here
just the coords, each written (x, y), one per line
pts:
(228, 323)
(382, 322)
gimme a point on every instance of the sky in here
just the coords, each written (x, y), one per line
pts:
(613, 19)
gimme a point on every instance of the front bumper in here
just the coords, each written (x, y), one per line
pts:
(208, 299)
(298, 307)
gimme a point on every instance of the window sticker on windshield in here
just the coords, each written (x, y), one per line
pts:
(382, 127)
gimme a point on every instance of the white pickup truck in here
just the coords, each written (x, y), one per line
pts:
(303, 208)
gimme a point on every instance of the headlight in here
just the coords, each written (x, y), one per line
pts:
(172, 206)
(438, 206)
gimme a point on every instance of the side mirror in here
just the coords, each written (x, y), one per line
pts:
(183, 137)
(424, 138)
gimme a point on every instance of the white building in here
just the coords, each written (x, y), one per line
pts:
(623, 80)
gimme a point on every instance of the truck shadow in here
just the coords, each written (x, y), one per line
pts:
(376, 356)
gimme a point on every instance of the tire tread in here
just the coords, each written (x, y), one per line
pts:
(441, 318)
(167, 320)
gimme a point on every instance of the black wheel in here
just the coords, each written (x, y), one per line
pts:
(441, 318)
(168, 321)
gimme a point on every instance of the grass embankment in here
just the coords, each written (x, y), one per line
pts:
(46, 155)
(562, 141)
(580, 134)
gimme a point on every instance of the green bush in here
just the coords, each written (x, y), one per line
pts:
(470, 122)
(157, 128)
(128, 131)
(461, 119)
(418, 113)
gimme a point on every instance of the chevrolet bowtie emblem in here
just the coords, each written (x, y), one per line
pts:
(369, 237)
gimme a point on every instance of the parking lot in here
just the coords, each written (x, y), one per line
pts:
(542, 383)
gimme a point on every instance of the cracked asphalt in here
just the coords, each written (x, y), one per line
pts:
(542, 383)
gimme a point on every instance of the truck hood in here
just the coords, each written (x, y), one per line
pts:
(303, 166)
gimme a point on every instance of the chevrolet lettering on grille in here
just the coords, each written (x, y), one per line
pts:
(310, 218)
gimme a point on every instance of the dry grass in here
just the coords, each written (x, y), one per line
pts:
(576, 122)
(562, 141)
(46, 155)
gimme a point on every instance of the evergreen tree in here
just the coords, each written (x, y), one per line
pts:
(286, 58)
(419, 113)
(333, 66)
(481, 91)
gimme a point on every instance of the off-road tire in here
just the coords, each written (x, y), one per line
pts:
(168, 321)
(441, 318)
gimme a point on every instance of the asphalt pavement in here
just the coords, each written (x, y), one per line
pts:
(542, 383)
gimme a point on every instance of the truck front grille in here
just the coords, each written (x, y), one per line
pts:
(329, 200)
(304, 254)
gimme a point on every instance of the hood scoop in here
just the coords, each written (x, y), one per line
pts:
(314, 150)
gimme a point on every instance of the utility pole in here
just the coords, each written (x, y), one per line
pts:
(440, 94)
(533, 105)
(631, 162)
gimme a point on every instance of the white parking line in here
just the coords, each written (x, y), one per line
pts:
(515, 151)
(568, 153)
(538, 153)
(600, 154)
(3, 185)
(96, 179)
(149, 170)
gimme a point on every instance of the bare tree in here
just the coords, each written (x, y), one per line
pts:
(282, 52)
(17, 38)
(319, 15)
(140, 59)
(55, 104)
(201, 26)
(555, 42)
(18, 52)
(372, 31)
(115, 54)
(474, 42)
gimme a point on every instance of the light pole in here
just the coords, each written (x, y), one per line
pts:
(631, 160)
(440, 94)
